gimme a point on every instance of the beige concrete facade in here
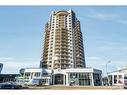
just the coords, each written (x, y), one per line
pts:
(63, 42)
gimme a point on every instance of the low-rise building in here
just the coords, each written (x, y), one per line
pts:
(118, 77)
(68, 77)
(7, 77)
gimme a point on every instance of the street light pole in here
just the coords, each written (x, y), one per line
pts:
(107, 71)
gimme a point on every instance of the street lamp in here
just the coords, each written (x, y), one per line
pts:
(107, 71)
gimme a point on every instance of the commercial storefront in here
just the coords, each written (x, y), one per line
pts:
(7, 77)
(116, 78)
(68, 77)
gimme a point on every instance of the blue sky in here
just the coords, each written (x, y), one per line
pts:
(104, 30)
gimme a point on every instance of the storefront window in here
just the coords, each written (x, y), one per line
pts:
(27, 74)
(125, 77)
(79, 79)
(97, 81)
(43, 80)
(73, 75)
(115, 78)
(37, 74)
(84, 79)
(45, 73)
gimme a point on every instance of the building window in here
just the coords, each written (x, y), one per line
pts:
(73, 75)
(115, 79)
(97, 80)
(44, 81)
(84, 79)
(45, 73)
(27, 74)
(37, 74)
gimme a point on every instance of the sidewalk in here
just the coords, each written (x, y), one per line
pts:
(60, 87)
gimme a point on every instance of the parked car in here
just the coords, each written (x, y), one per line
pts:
(72, 83)
(125, 82)
(22, 82)
(9, 85)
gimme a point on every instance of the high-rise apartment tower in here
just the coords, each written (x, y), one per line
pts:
(63, 42)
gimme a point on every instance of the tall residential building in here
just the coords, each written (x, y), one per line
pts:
(62, 61)
(63, 42)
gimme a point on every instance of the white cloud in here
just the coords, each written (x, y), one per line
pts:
(123, 21)
(6, 58)
(13, 65)
(118, 18)
(101, 64)
(102, 16)
(113, 48)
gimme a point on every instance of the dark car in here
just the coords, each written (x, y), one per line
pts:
(9, 86)
(125, 82)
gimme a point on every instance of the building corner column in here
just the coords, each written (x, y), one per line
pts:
(92, 79)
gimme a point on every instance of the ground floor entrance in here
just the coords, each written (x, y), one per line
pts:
(59, 78)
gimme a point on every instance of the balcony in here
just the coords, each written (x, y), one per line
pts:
(64, 66)
(57, 38)
(79, 66)
(57, 44)
(57, 34)
(64, 54)
(45, 54)
(56, 66)
(57, 62)
(64, 59)
(45, 58)
(57, 52)
(64, 51)
(44, 62)
(57, 47)
(46, 43)
(64, 45)
(66, 63)
(64, 41)
(64, 36)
